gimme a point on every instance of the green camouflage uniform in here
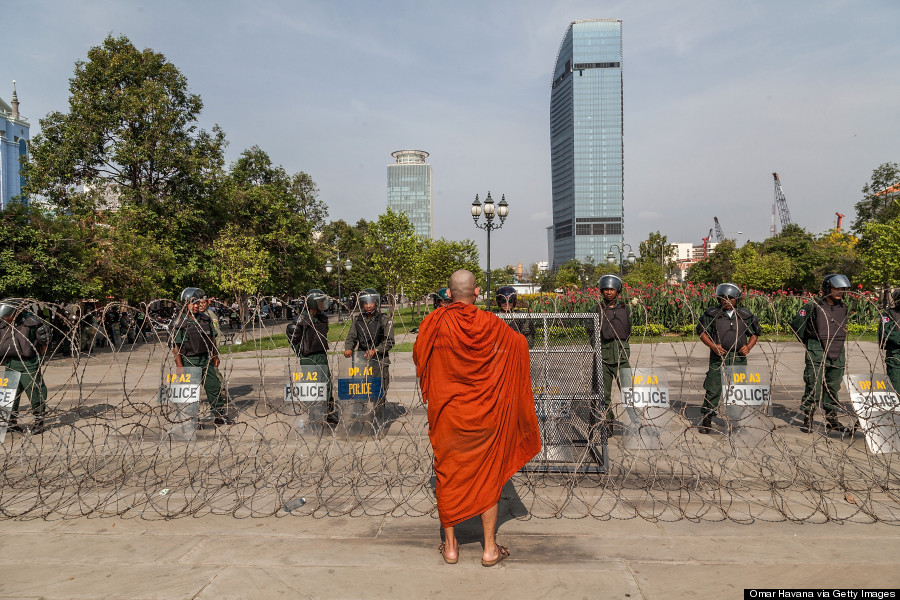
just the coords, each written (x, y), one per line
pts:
(823, 329)
(732, 332)
(195, 339)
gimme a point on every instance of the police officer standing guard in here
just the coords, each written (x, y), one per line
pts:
(194, 345)
(889, 339)
(308, 335)
(507, 298)
(822, 326)
(372, 332)
(23, 341)
(730, 333)
(615, 330)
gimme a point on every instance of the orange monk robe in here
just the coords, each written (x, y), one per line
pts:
(475, 376)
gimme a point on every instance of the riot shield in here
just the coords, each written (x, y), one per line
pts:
(746, 393)
(361, 387)
(9, 382)
(650, 424)
(877, 406)
(306, 398)
(179, 396)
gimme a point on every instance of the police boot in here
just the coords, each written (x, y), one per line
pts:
(38, 427)
(706, 423)
(832, 424)
(223, 420)
(807, 426)
(13, 425)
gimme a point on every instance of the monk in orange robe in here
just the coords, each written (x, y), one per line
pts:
(475, 377)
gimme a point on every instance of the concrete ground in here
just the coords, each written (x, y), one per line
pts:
(287, 555)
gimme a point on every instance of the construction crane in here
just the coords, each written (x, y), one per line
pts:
(781, 203)
(720, 235)
(706, 244)
(840, 218)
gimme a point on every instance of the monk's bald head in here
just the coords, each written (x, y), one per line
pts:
(462, 287)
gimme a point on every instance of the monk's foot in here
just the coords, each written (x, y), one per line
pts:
(495, 555)
(450, 554)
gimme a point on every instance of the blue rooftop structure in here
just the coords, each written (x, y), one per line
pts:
(14, 140)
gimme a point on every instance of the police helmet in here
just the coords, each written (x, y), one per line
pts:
(11, 306)
(610, 282)
(316, 299)
(440, 296)
(369, 295)
(835, 280)
(728, 290)
(505, 294)
(191, 294)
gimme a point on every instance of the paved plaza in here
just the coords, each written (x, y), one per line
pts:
(646, 554)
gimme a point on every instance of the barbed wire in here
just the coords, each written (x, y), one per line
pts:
(109, 449)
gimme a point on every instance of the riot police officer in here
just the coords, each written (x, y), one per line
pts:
(308, 335)
(822, 326)
(615, 330)
(442, 298)
(730, 333)
(372, 332)
(889, 339)
(23, 341)
(194, 345)
(507, 298)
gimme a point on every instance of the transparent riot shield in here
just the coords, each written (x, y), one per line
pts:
(9, 381)
(877, 406)
(179, 396)
(649, 422)
(359, 394)
(306, 398)
(746, 394)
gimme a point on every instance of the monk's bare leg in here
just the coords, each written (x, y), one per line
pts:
(489, 525)
(451, 546)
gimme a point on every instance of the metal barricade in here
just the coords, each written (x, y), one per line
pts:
(568, 393)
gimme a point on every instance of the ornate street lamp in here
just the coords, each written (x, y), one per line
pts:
(329, 268)
(490, 211)
(611, 258)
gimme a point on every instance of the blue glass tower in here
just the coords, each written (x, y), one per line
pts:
(409, 189)
(586, 142)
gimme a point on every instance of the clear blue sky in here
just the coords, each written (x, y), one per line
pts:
(718, 95)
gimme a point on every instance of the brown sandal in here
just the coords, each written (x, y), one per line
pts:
(503, 553)
(449, 561)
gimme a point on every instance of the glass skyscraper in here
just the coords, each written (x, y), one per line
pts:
(586, 142)
(409, 189)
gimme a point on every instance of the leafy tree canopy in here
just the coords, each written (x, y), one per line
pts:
(880, 202)
(130, 133)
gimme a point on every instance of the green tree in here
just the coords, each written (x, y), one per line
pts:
(241, 266)
(130, 132)
(879, 250)
(655, 263)
(394, 246)
(760, 272)
(879, 204)
(272, 206)
(350, 241)
(131, 264)
(797, 245)
(437, 260)
(717, 267)
(43, 257)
